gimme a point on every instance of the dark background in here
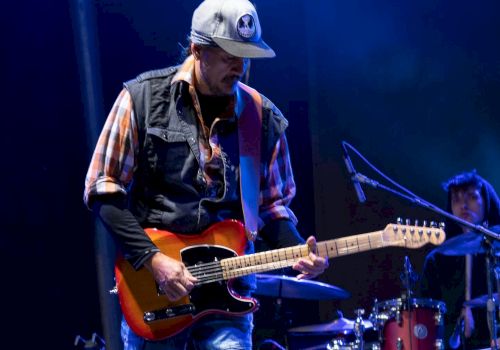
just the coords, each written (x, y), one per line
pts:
(413, 86)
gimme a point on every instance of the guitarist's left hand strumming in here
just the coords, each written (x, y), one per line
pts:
(314, 265)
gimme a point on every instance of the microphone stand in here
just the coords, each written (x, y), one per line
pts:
(488, 236)
(419, 201)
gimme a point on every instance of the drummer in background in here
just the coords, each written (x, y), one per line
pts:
(454, 279)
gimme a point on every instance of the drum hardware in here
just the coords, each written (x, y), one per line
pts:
(341, 334)
(480, 240)
(454, 341)
(359, 328)
(482, 301)
(409, 323)
(439, 319)
(95, 342)
(422, 316)
(398, 317)
(280, 288)
(270, 344)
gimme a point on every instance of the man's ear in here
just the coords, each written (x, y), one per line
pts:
(196, 51)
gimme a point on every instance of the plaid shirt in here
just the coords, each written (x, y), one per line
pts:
(115, 157)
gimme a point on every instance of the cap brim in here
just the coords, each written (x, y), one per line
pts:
(246, 49)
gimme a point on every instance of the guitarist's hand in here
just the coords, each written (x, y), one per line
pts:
(171, 275)
(312, 266)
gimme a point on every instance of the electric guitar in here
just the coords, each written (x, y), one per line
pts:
(215, 257)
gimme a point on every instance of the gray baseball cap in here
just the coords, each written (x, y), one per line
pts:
(231, 24)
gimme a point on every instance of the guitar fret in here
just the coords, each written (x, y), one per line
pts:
(285, 257)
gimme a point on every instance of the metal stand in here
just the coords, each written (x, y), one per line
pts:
(491, 303)
(424, 204)
(96, 342)
(359, 329)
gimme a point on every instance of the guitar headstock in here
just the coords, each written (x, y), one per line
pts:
(413, 236)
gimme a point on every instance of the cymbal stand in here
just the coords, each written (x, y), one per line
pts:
(496, 272)
(408, 277)
(359, 329)
(491, 304)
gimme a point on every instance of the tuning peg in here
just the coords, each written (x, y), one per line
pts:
(399, 220)
(408, 222)
(442, 225)
(359, 312)
(424, 224)
(433, 224)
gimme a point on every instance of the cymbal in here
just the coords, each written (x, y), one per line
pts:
(481, 301)
(291, 287)
(465, 243)
(340, 325)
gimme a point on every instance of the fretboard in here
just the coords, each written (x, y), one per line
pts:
(285, 257)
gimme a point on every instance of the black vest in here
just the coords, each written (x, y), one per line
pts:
(169, 190)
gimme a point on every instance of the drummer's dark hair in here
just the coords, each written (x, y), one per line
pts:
(463, 180)
(491, 201)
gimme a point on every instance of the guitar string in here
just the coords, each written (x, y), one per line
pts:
(255, 259)
(362, 242)
(214, 271)
(232, 270)
(206, 268)
(249, 270)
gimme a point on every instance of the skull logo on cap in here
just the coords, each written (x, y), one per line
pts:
(246, 26)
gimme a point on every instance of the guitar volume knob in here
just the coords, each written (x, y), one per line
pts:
(149, 316)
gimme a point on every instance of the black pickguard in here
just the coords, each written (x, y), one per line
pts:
(216, 295)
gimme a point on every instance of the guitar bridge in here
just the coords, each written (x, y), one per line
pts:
(162, 314)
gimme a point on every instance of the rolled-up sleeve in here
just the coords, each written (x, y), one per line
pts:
(113, 162)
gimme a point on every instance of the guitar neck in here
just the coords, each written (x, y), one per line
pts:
(286, 257)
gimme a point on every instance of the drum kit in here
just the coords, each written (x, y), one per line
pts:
(396, 324)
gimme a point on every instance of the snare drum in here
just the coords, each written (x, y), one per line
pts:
(416, 324)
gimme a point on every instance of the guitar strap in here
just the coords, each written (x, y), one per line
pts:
(249, 109)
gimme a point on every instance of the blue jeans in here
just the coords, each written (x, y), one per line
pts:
(212, 332)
